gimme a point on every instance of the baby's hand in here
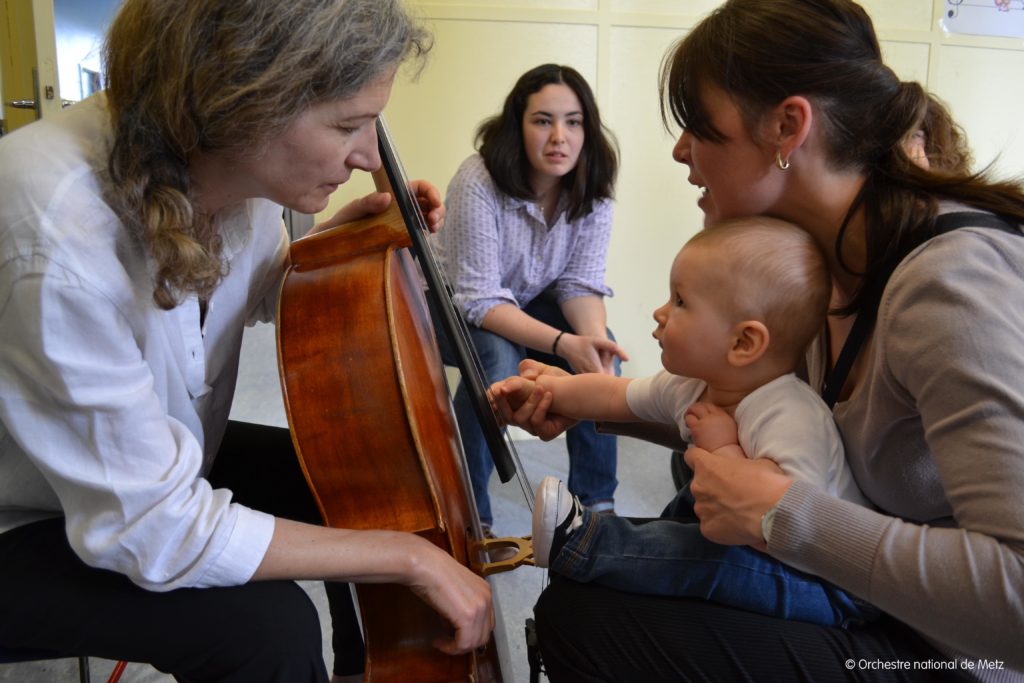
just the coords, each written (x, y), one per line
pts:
(711, 427)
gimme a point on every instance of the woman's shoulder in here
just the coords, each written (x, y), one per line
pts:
(473, 182)
(962, 251)
(472, 171)
(52, 174)
(604, 207)
(57, 156)
(76, 137)
(968, 276)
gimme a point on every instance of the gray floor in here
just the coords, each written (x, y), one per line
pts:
(645, 485)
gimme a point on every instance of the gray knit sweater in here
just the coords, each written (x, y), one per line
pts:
(935, 439)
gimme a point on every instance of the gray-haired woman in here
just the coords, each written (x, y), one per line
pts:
(139, 232)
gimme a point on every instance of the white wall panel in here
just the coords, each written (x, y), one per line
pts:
(900, 14)
(908, 60)
(656, 209)
(983, 89)
(688, 8)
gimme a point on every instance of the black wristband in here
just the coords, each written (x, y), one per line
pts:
(554, 347)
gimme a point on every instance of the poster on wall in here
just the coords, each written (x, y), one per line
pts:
(1003, 18)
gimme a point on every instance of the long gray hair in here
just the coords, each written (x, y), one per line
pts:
(225, 76)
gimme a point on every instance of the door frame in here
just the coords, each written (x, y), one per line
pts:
(39, 53)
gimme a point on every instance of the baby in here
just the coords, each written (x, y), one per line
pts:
(746, 297)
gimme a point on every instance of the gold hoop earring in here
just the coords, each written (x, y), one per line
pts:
(783, 164)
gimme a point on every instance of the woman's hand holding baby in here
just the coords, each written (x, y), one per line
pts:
(522, 401)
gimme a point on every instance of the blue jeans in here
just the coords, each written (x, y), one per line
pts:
(668, 556)
(592, 456)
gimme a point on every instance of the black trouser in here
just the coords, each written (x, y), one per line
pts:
(590, 633)
(260, 631)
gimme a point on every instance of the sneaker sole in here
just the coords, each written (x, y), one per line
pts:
(545, 520)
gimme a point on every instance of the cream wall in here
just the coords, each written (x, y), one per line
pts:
(482, 46)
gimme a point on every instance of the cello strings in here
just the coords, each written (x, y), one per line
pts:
(426, 254)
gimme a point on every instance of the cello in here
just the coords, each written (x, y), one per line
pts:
(369, 411)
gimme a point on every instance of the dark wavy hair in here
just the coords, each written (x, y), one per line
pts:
(761, 51)
(945, 143)
(499, 140)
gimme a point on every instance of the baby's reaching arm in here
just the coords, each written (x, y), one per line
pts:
(713, 429)
(589, 396)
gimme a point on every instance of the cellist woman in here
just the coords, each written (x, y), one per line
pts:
(140, 231)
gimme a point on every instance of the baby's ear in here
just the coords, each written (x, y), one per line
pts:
(750, 342)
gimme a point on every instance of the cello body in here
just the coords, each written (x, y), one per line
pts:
(370, 416)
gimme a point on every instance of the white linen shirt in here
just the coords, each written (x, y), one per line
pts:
(784, 420)
(496, 249)
(111, 408)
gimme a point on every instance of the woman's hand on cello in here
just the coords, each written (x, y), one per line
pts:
(368, 205)
(428, 197)
(455, 592)
(310, 551)
(522, 402)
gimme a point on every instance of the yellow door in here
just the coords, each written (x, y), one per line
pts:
(28, 62)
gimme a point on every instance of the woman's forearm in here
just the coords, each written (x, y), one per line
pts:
(514, 324)
(306, 551)
(586, 315)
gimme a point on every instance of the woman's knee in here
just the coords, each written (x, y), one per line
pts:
(286, 617)
(264, 631)
(499, 356)
(564, 634)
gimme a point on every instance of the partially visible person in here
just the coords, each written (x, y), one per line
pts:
(937, 142)
(140, 231)
(746, 297)
(945, 145)
(525, 247)
(788, 110)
